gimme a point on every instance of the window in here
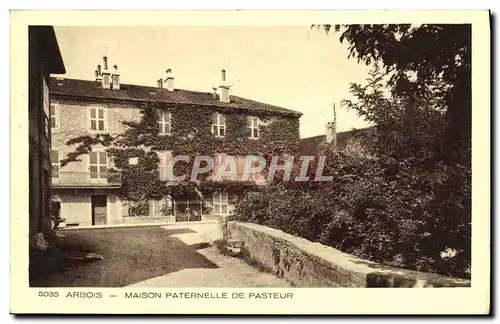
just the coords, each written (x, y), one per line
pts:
(219, 160)
(253, 127)
(165, 166)
(46, 126)
(221, 205)
(97, 119)
(98, 165)
(54, 116)
(164, 123)
(54, 160)
(155, 207)
(218, 125)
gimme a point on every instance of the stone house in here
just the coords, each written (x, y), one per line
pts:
(44, 59)
(350, 142)
(88, 193)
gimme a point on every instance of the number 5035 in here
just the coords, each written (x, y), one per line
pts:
(48, 294)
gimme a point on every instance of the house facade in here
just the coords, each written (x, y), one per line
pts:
(88, 190)
(44, 59)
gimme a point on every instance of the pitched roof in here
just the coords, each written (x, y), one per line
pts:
(130, 92)
(45, 38)
(314, 144)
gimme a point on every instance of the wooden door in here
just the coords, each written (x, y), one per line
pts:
(99, 210)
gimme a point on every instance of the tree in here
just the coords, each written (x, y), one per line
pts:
(419, 58)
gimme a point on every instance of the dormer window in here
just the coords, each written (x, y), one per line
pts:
(218, 125)
(253, 127)
(164, 123)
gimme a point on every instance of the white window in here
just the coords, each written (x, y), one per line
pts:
(164, 123)
(218, 125)
(54, 160)
(54, 116)
(165, 166)
(253, 127)
(46, 123)
(220, 159)
(98, 119)
(221, 205)
(98, 165)
(155, 207)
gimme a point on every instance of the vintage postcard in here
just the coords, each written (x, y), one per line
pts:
(250, 162)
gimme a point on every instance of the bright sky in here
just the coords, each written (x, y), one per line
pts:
(292, 67)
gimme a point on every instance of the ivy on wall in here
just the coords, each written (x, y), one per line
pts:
(191, 135)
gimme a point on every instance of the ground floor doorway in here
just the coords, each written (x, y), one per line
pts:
(99, 210)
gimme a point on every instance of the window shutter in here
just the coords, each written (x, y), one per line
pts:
(88, 117)
(106, 121)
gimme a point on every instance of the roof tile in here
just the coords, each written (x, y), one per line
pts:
(86, 88)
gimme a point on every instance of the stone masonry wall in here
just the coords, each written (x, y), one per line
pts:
(307, 264)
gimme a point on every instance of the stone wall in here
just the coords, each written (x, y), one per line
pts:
(307, 264)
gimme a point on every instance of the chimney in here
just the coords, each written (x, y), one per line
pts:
(331, 131)
(98, 77)
(115, 78)
(160, 83)
(169, 80)
(106, 76)
(224, 88)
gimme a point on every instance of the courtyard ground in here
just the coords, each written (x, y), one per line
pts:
(146, 256)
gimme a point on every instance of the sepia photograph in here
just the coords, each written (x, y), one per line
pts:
(307, 155)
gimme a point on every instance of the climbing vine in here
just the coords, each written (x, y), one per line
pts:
(191, 135)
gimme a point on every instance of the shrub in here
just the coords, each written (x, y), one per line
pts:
(406, 220)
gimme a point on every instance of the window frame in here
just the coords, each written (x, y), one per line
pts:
(253, 124)
(164, 164)
(162, 123)
(220, 203)
(220, 123)
(97, 119)
(98, 165)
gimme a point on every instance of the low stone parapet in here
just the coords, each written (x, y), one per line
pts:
(307, 264)
(148, 220)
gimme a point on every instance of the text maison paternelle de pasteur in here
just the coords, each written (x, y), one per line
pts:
(209, 295)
